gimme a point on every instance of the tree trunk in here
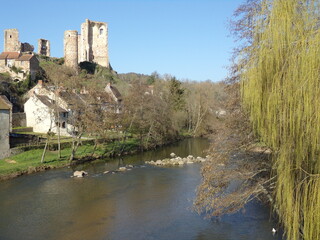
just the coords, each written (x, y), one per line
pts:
(75, 146)
(44, 151)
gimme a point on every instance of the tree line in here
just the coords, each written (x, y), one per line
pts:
(154, 109)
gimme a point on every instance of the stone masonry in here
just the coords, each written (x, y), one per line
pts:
(91, 45)
(44, 47)
(11, 40)
(12, 43)
(5, 126)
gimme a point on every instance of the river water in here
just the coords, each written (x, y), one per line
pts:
(146, 203)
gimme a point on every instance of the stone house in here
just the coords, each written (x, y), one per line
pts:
(19, 65)
(45, 114)
(5, 126)
(46, 103)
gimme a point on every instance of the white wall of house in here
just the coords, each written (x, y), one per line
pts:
(38, 115)
(41, 118)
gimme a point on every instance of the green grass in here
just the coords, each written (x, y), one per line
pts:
(32, 158)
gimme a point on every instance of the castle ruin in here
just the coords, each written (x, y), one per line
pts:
(12, 43)
(18, 58)
(91, 45)
(44, 47)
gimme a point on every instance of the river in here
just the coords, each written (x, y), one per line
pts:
(146, 203)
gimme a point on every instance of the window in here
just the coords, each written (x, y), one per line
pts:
(64, 125)
(101, 31)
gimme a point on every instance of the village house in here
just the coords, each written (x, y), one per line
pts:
(48, 107)
(43, 114)
(5, 126)
(18, 58)
(19, 65)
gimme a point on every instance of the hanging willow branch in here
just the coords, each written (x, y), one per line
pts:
(281, 91)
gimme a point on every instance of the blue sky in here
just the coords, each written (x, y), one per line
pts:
(185, 38)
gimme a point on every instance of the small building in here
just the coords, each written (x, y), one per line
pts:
(44, 114)
(19, 65)
(5, 126)
(17, 58)
(48, 106)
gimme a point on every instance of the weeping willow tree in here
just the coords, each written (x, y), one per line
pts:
(281, 92)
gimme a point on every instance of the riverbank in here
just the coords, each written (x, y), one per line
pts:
(29, 161)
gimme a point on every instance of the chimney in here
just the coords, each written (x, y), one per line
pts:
(40, 83)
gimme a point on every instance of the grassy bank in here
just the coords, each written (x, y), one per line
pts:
(29, 161)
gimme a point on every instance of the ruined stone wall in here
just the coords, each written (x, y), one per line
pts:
(71, 48)
(99, 35)
(44, 47)
(83, 42)
(11, 40)
(93, 45)
(19, 119)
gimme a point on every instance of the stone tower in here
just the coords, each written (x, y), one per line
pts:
(91, 45)
(11, 40)
(71, 48)
(44, 47)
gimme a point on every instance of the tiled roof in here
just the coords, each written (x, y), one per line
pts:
(25, 57)
(9, 55)
(5, 103)
(48, 102)
(69, 97)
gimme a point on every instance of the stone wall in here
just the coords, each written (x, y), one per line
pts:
(94, 43)
(91, 45)
(11, 40)
(19, 120)
(4, 133)
(3, 64)
(44, 47)
(71, 48)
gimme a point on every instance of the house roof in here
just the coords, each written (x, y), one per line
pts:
(81, 99)
(9, 55)
(48, 102)
(25, 57)
(69, 97)
(5, 103)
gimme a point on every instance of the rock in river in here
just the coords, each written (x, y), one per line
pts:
(80, 174)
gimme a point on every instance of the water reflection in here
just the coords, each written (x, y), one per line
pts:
(145, 203)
